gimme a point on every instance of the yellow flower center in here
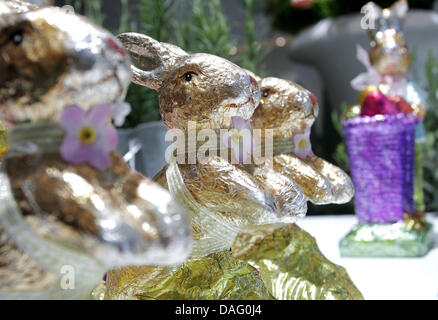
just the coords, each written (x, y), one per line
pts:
(236, 136)
(87, 135)
(302, 144)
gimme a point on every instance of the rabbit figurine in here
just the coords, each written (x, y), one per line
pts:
(387, 124)
(209, 91)
(63, 224)
(290, 111)
(243, 207)
(388, 64)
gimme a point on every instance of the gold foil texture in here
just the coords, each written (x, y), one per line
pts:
(291, 265)
(222, 197)
(218, 276)
(272, 261)
(288, 109)
(51, 59)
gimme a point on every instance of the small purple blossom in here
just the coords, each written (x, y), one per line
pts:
(239, 138)
(303, 147)
(90, 136)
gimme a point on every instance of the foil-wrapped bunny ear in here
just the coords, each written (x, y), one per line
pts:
(374, 13)
(151, 59)
(252, 74)
(15, 6)
(399, 9)
(383, 19)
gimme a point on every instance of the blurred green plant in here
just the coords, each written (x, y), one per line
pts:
(252, 55)
(292, 19)
(199, 34)
(194, 25)
(340, 155)
(431, 124)
(91, 9)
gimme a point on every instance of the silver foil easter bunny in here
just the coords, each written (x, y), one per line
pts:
(57, 217)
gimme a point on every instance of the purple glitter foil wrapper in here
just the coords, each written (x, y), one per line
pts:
(381, 149)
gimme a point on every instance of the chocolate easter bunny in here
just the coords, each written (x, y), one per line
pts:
(387, 124)
(389, 60)
(243, 207)
(388, 66)
(389, 53)
(60, 218)
(290, 111)
(209, 91)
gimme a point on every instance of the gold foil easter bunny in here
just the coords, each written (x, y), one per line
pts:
(388, 63)
(59, 218)
(208, 91)
(290, 110)
(244, 207)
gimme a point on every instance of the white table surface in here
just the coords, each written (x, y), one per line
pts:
(378, 278)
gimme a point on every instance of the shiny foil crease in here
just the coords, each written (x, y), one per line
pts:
(271, 261)
(292, 266)
(288, 109)
(218, 276)
(223, 199)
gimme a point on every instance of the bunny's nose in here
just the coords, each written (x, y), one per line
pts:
(315, 106)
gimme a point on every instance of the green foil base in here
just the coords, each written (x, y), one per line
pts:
(292, 266)
(387, 240)
(266, 262)
(218, 276)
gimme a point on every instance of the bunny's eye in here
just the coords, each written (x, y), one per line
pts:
(266, 93)
(17, 37)
(188, 76)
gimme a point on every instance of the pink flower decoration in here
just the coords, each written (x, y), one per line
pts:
(239, 138)
(303, 147)
(90, 136)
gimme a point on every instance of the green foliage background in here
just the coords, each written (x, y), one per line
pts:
(431, 124)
